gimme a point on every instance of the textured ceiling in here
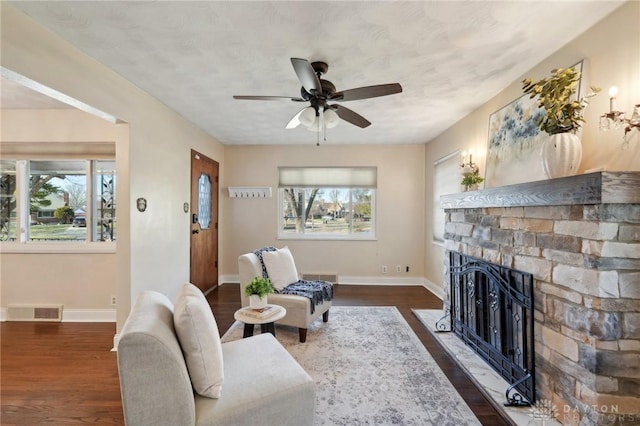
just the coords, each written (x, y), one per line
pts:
(449, 56)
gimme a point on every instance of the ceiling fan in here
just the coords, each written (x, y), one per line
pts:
(321, 115)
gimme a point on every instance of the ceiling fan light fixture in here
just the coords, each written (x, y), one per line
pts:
(331, 118)
(314, 126)
(308, 116)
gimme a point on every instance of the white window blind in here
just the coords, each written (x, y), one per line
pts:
(329, 177)
(59, 150)
(446, 180)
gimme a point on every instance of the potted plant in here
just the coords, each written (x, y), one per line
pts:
(471, 180)
(562, 118)
(257, 291)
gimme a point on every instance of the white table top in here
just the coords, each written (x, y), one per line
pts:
(244, 315)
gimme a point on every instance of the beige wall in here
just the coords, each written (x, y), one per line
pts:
(153, 162)
(153, 247)
(252, 223)
(75, 280)
(612, 50)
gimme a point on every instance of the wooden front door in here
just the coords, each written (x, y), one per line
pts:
(204, 222)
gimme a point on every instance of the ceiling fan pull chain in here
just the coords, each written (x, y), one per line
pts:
(321, 125)
(319, 121)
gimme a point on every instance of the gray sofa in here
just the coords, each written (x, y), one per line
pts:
(263, 384)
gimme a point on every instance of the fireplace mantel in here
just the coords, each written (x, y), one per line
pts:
(591, 188)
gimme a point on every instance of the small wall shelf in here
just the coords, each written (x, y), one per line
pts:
(249, 192)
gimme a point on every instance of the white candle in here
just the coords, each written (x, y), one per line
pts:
(613, 92)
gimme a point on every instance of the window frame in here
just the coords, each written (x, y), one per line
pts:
(438, 170)
(23, 243)
(350, 183)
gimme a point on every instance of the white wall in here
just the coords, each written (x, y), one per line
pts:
(612, 50)
(154, 254)
(252, 223)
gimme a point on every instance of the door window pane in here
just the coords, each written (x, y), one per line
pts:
(204, 201)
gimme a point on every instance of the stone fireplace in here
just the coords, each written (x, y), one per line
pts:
(580, 238)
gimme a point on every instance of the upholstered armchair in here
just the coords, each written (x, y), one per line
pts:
(299, 310)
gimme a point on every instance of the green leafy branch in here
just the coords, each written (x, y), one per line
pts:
(562, 113)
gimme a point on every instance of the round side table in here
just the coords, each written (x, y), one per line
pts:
(265, 319)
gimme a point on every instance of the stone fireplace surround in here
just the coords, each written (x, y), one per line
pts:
(580, 238)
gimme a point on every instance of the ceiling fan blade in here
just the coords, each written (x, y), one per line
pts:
(350, 116)
(268, 98)
(307, 75)
(295, 121)
(367, 92)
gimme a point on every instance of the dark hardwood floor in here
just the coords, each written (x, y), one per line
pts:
(65, 373)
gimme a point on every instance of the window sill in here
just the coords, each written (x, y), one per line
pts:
(58, 248)
(307, 237)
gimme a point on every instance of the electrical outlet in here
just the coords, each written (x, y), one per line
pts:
(384, 269)
(398, 268)
(113, 300)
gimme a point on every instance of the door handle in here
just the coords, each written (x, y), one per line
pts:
(195, 231)
(194, 218)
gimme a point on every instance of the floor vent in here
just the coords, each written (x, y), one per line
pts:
(51, 313)
(332, 278)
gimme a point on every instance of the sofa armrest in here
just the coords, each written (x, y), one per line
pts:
(154, 381)
(249, 267)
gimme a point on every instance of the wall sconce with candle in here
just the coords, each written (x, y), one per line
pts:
(615, 119)
(468, 167)
(470, 172)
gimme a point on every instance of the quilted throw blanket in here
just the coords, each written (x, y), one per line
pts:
(316, 291)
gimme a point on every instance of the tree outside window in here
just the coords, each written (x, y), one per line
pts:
(58, 200)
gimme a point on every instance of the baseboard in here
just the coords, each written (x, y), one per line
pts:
(78, 315)
(434, 288)
(349, 280)
(355, 280)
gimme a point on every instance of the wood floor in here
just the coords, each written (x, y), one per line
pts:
(65, 373)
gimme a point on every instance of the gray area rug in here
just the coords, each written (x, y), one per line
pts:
(371, 369)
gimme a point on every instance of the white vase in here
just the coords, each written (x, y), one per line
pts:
(561, 155)
(257, 302)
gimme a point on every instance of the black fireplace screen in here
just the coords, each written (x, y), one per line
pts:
(492, 312)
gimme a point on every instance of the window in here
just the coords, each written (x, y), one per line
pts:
(446, 180)
(327, 202)
(57, 200)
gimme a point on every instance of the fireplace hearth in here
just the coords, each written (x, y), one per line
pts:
(579, 237)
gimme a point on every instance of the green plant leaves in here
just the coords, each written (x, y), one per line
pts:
(554, 95)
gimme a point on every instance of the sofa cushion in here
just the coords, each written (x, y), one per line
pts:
(280, 267)
(200, 341)
(264, 385)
